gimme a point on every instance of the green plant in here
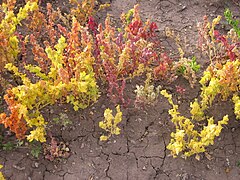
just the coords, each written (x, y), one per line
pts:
(8, 145)
(238, 164)
(184, 66)
(192, 64)
(110, 123)
(234, 23)
(62, 119)
(36, 149)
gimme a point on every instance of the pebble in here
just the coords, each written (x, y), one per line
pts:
(36, 164)
(230, 151)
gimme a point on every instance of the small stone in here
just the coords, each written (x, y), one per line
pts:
(230, 151)
(185, 176)
(36, 164)
(208, 166)
(233, 129)
(144, 168)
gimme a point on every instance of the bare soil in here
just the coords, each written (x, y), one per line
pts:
(139, 153)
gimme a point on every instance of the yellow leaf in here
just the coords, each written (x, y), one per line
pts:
(103, 138)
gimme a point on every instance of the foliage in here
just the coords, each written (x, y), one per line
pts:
(72, 52)
(62, 120)
(55, 150)
(234, 23)
(236, 101)
(83, 10)
(36, 148)
(238, 164)
(1, 175)
(188, 138)
(9, 47)
(9, 37)
(147, 94)
(110, 123)
(220, 79)
(124, 54)
(218, 47)
(59, 82)
(187, 67)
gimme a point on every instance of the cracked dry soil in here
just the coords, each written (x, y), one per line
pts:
(139, 153)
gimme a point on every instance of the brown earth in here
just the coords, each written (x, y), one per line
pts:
(139, 153)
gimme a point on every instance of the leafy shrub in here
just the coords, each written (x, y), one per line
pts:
(187, 139)
(110, 123)
(234, 23)
(147, 94)
(58, 83)
(9, 41)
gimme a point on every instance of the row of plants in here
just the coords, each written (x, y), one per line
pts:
(64, 58)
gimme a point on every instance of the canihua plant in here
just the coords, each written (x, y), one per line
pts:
(1, 175)
(220, 80)
(234, 23)
(8, 25)
(189, 138)
(69, 78)
(9, 41)
(110, 123)
(218, 47)
(236, 101)
(84, 10)
(186, 67)
(124, 54)
(147, 94)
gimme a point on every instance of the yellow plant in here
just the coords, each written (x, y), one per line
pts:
(196, 111)
(78, 88)
(236, 101)
(220, 79)
(187, 139)
(8, 24)
(85, 9)
(1, 175)
(110, 123)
